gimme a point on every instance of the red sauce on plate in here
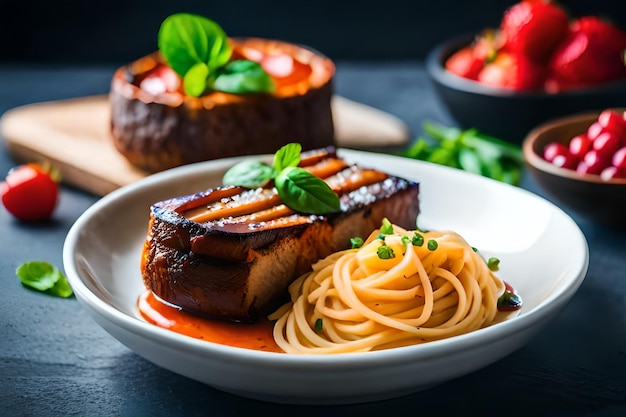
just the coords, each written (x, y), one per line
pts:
(256, 336)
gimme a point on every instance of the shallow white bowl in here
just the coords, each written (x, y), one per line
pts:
(543, 254)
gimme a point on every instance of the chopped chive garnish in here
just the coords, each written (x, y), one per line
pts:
(509, 301)
(385, 252)
(417, 240)
(387, 227)
(493, 264)
(432, 244)
(356, 242)
(405, 240)
(318, 325)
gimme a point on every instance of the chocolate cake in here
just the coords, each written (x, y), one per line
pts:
(160, 128)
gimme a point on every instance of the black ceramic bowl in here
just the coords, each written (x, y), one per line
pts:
(506, 114)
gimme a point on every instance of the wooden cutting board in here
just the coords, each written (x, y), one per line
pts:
(74, 136)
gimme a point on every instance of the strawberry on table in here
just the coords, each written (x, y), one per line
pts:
(30, 192)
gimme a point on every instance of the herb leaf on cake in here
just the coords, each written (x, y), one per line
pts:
(198, 50)
(203, 95)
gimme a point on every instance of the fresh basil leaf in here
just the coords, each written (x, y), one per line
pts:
(443, 156)
(243, 77)
(304, 192)
(61, 288)
(195, 80)
(470, 161)
(469, 150)
(186, 39)
(287, 156)
(420, 150)
(440, 132)
(356, 242)
(45, 277)
(249, 174)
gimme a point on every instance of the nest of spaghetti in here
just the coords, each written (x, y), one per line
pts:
(398, 288)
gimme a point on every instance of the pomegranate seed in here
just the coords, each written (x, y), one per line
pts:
(601, 150)
(607, 143)
(567, 161)
(619, 158)
(553, 150)
(579, 145)
(612, 172)
(612, 121)
(594, 130)
(595, 162)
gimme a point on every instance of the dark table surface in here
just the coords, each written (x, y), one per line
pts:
(55, 361)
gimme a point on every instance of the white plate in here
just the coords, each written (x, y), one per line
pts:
(543, 254)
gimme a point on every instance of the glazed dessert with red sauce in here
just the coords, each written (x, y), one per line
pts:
(156, 125)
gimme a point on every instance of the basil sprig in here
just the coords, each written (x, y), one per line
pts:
(297, 188)
(45, 277)
(469, 150)
(198, 50)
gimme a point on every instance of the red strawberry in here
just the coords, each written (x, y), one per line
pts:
(515, 71)
(468, 61)
(534, 29)
(464, 63)
(592, 53)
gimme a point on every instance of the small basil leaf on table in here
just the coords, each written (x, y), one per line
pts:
(45, 277)
(304, 192)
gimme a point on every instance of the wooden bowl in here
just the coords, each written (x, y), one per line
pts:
(587, 195)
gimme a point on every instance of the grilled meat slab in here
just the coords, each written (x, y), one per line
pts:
(230, 252)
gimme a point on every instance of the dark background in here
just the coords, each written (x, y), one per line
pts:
(119, 31)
